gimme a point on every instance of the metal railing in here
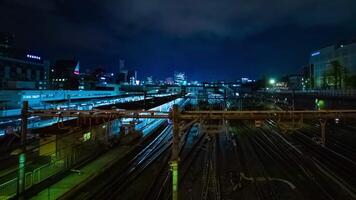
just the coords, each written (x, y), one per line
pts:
(58, 162)
(42, 173)
(331, 93)
(28, 180)
(8, 189)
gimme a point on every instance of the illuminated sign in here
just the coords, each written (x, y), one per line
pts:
(35, 96)
(86, 136)
(33, 57)
(315, 53)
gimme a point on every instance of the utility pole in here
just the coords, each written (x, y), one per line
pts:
(144, 97)
(293, 99)
(22, 155)
(175, 152)
(323, 136)
(68, 102)
(24, 115)
(225, 99)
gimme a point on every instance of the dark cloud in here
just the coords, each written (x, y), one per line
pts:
(233, 18)
(222, 39)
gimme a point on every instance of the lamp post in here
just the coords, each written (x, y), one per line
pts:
(272, 81)
(270, 84)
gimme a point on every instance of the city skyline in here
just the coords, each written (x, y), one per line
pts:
(250, 39)
(168, 99)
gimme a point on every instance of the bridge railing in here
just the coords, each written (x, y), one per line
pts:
(331, 93)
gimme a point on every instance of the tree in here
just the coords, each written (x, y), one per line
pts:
(335, 75)
(350, 81)
(324, 82)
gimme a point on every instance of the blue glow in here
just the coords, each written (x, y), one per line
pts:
(315, 53)
(33, 57)
(76, 70)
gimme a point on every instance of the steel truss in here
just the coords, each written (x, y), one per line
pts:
(177, 116)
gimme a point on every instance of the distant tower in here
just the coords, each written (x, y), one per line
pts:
(123, 73)
(121, 65)
(76, 69)
(6, 40)
(180, 78)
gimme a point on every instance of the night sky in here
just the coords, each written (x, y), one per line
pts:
(207, 39)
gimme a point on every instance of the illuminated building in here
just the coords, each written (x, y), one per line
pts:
(246, 80)
(123, 74)
(19, 68)
(334, 65)
(126, 76)
(308, 79)
(149, 80)
(169, 81)
(64, 74)
(180, 78)
(132, 76)
(292, 82)
(6, 40)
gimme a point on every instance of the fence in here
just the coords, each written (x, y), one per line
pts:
(327, 93)
(69, 151)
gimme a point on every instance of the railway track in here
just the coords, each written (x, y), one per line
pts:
(161, 188)
(126, 170)
(283, 169)
(189, 154)
(271, 166)
(154, 154)
(210, 181)
(331, 170)
(254, 172)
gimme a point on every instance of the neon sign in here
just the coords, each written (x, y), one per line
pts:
(33, 57)
(315, 53)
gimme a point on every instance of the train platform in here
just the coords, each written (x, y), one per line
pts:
(80, 176)
(53, 179)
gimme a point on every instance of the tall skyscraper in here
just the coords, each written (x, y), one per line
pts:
(180, 78)
(121, 65)
(6, 40)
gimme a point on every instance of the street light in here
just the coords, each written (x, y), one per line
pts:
(272, 81)
(320, 104)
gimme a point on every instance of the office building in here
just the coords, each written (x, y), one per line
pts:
(149, 80)
(19, 68)
(180, 78)
(308, 77)
(334, 67)
(65, 74)
(291, 82)
(6, 40)
(126, 76)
